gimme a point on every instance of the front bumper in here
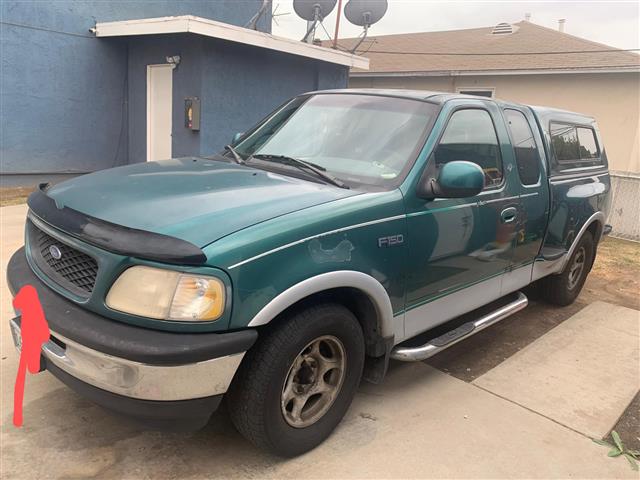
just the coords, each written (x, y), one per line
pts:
(169, 379)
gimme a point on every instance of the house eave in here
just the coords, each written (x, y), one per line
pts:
(224, 31)
(468, 73)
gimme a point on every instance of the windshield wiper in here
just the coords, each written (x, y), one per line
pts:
(319, 171)
(236, 155)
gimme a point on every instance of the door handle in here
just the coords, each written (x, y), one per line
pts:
(508, 215)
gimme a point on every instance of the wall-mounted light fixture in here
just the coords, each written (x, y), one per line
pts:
(173, 60)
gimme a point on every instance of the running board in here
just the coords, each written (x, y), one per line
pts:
(436, 345)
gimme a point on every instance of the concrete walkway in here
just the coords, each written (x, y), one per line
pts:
(420, 423)
(583, 373)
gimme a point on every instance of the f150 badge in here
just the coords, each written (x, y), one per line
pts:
(390, 241)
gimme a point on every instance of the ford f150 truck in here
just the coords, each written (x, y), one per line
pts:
(348, 228)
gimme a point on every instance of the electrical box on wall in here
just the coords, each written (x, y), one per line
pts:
(192, 113)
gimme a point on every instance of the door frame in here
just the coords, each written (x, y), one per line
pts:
(148, 106)
(434, 308)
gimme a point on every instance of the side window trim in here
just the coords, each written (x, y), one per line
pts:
(495, 188)
(540, 157)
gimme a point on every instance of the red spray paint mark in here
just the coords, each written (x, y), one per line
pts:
(34, 331)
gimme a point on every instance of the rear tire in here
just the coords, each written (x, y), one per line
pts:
(564, 288)
(296, 384)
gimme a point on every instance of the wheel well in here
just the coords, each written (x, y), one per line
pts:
(596, 231)
(358, 303)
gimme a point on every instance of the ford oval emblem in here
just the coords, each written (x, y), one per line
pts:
(55, 252)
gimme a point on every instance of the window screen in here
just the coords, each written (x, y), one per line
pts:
(471, 136)
(524, 146)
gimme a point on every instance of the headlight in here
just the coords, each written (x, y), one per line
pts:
(165, 294)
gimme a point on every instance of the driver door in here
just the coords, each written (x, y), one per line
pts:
(459, 247)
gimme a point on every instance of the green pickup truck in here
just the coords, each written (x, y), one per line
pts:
(348, 228)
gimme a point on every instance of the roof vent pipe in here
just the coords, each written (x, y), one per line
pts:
(561, 24)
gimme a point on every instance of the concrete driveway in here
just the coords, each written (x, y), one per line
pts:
(420, 423)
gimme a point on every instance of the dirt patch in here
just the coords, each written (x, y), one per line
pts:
(628, 427)
(14, 195)
(615, 277)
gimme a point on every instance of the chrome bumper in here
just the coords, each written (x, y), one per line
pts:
(134, 379)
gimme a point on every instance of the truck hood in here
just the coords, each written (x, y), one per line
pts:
(194, 199)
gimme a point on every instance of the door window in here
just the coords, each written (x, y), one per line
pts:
(524, 147)
(471, 136)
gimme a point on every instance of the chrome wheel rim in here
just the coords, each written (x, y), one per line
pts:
(577, 267)
(314, 381)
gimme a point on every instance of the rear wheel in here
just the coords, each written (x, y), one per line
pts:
(564, 288)
(297, 383)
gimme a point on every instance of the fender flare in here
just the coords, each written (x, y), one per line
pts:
(327, 281)
(596, 217)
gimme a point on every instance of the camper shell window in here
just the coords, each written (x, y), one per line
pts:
(574, 146)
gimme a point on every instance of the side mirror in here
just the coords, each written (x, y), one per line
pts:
(236, 137)
(456, 179)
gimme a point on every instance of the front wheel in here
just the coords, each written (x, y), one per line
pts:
(296, 384)
(564, 288)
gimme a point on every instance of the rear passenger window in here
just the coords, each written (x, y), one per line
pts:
(574, 147)
(471, 136)
(524, 146)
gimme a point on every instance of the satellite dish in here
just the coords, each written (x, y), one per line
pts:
(365, 13)
(312, 10)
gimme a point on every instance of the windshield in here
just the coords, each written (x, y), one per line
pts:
(361, 139)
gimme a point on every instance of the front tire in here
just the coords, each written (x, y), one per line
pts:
(564, 288)
(296, 384)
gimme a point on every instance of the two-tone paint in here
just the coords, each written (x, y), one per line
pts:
(276, 240)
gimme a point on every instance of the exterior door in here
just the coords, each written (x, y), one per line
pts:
(159, 100)
(460, 247)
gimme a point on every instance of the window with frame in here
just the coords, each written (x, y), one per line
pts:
(574, 146)
(470, 135)
(524, 147)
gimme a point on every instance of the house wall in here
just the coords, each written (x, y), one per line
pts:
(187, 82)
(237, 85)
(63, 97)
(242, 84)
(612, 98)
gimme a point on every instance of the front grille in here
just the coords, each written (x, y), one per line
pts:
(74, 270)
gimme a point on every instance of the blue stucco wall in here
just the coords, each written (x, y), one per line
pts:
(187, 81)
(237, 86)
(64, 103)
(259, 80)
